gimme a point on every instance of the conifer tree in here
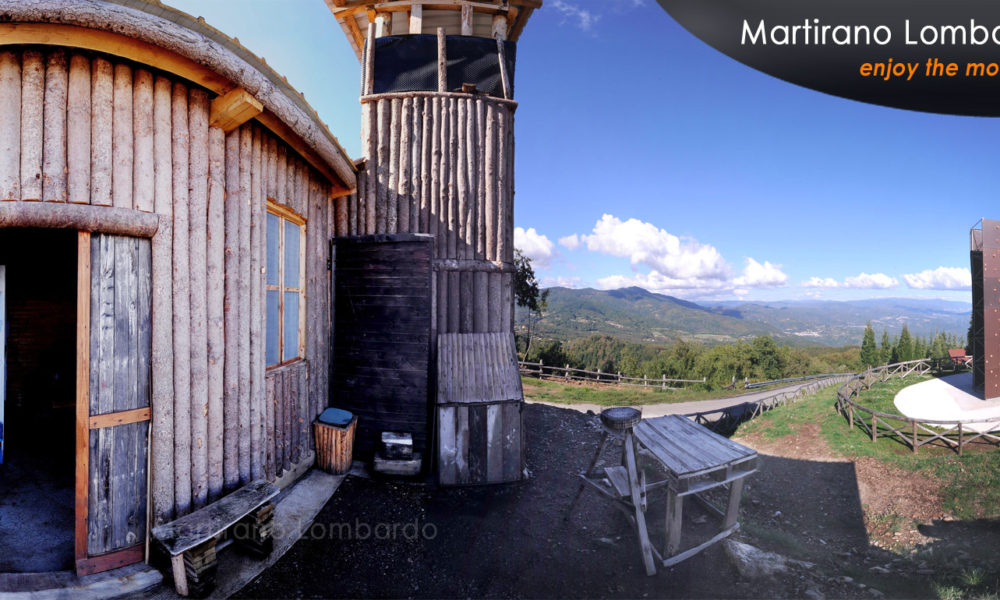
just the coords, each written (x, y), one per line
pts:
(905, 345)
(869, 353)
(885, 349)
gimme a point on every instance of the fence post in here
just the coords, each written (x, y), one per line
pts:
(914, 436)
(619, 377)
(960, 440)
(644, 383)
(664, 378)
(874, 427)
(567, 370)
(850, 412)
(598, 374)
(541, 369)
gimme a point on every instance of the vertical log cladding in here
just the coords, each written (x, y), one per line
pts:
(102, 107)
(215, 315)
(32, 102)
(182, 306)
(243, 302)
(256, 312)
(162, 320)
(78, 125)
(122, 137)
(231, 375)
(142, 119)
(198, 245)
(10, 127)
(54, 147)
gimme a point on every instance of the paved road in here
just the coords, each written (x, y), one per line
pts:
(686, 408)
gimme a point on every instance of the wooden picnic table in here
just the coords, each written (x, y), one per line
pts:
(694, 459)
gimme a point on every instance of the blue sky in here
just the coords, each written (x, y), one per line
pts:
(646, 157)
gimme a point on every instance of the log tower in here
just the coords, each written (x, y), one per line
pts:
(438, 145)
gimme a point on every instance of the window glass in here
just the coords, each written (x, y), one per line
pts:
(273, 240)
(283, 304)
(291, 254)
(291, 341)
(271, 334)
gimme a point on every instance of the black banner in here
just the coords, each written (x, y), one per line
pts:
(938, 56)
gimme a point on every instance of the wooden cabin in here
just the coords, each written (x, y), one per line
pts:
(166, 206)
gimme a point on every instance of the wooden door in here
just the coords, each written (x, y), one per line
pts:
(113, 391)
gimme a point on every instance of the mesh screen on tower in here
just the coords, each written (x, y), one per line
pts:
(406, 63)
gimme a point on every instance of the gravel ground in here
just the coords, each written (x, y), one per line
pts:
(386, 539)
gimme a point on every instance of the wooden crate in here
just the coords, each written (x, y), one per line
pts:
(334, 446)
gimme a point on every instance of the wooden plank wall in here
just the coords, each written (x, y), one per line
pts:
(96, 130)
(479, 401)
(443, 164)
(382, 337)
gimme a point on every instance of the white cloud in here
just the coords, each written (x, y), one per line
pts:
(567, 282)
(941, 278)
(875, 281)
(761, 275)
(571, 242)
(583, 18)
(820, 282)
(660, 284)
(669, 257)
(534, 245)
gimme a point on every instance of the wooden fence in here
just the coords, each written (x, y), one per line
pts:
(725, 420)
(913, 433)
(543, 371)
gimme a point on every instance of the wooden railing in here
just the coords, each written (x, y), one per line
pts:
(726, 420)
(913, 433)
(543, 371)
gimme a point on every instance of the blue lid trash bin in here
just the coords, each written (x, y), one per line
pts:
(334, 431)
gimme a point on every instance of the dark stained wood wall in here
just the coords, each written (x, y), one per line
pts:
(382, 335)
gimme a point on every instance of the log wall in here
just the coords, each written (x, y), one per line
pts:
(96, 130)
(442, 163)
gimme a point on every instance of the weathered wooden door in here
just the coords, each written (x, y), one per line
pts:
(382, 335)
(113, 392)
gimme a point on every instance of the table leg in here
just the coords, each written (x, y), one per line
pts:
(675, 509)
(593, 461)
(733, 510)
(640, 517)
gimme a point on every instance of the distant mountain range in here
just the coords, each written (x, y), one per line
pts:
(638, 315)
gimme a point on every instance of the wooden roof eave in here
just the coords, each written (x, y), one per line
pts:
(345, 11)
(177, 43)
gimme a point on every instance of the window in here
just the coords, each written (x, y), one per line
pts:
(285, 286)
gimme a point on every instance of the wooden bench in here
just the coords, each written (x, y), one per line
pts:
(247, 514)
(694, 459)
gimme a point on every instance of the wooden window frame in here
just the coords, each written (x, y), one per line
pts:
(286, 214)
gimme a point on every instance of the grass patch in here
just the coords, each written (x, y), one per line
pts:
(547, 390)
(971, 483)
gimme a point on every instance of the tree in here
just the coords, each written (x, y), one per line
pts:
(869, 353)
(968, 338)
(904, 345)
(527, 294)
(885, 349)
(765, 358)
